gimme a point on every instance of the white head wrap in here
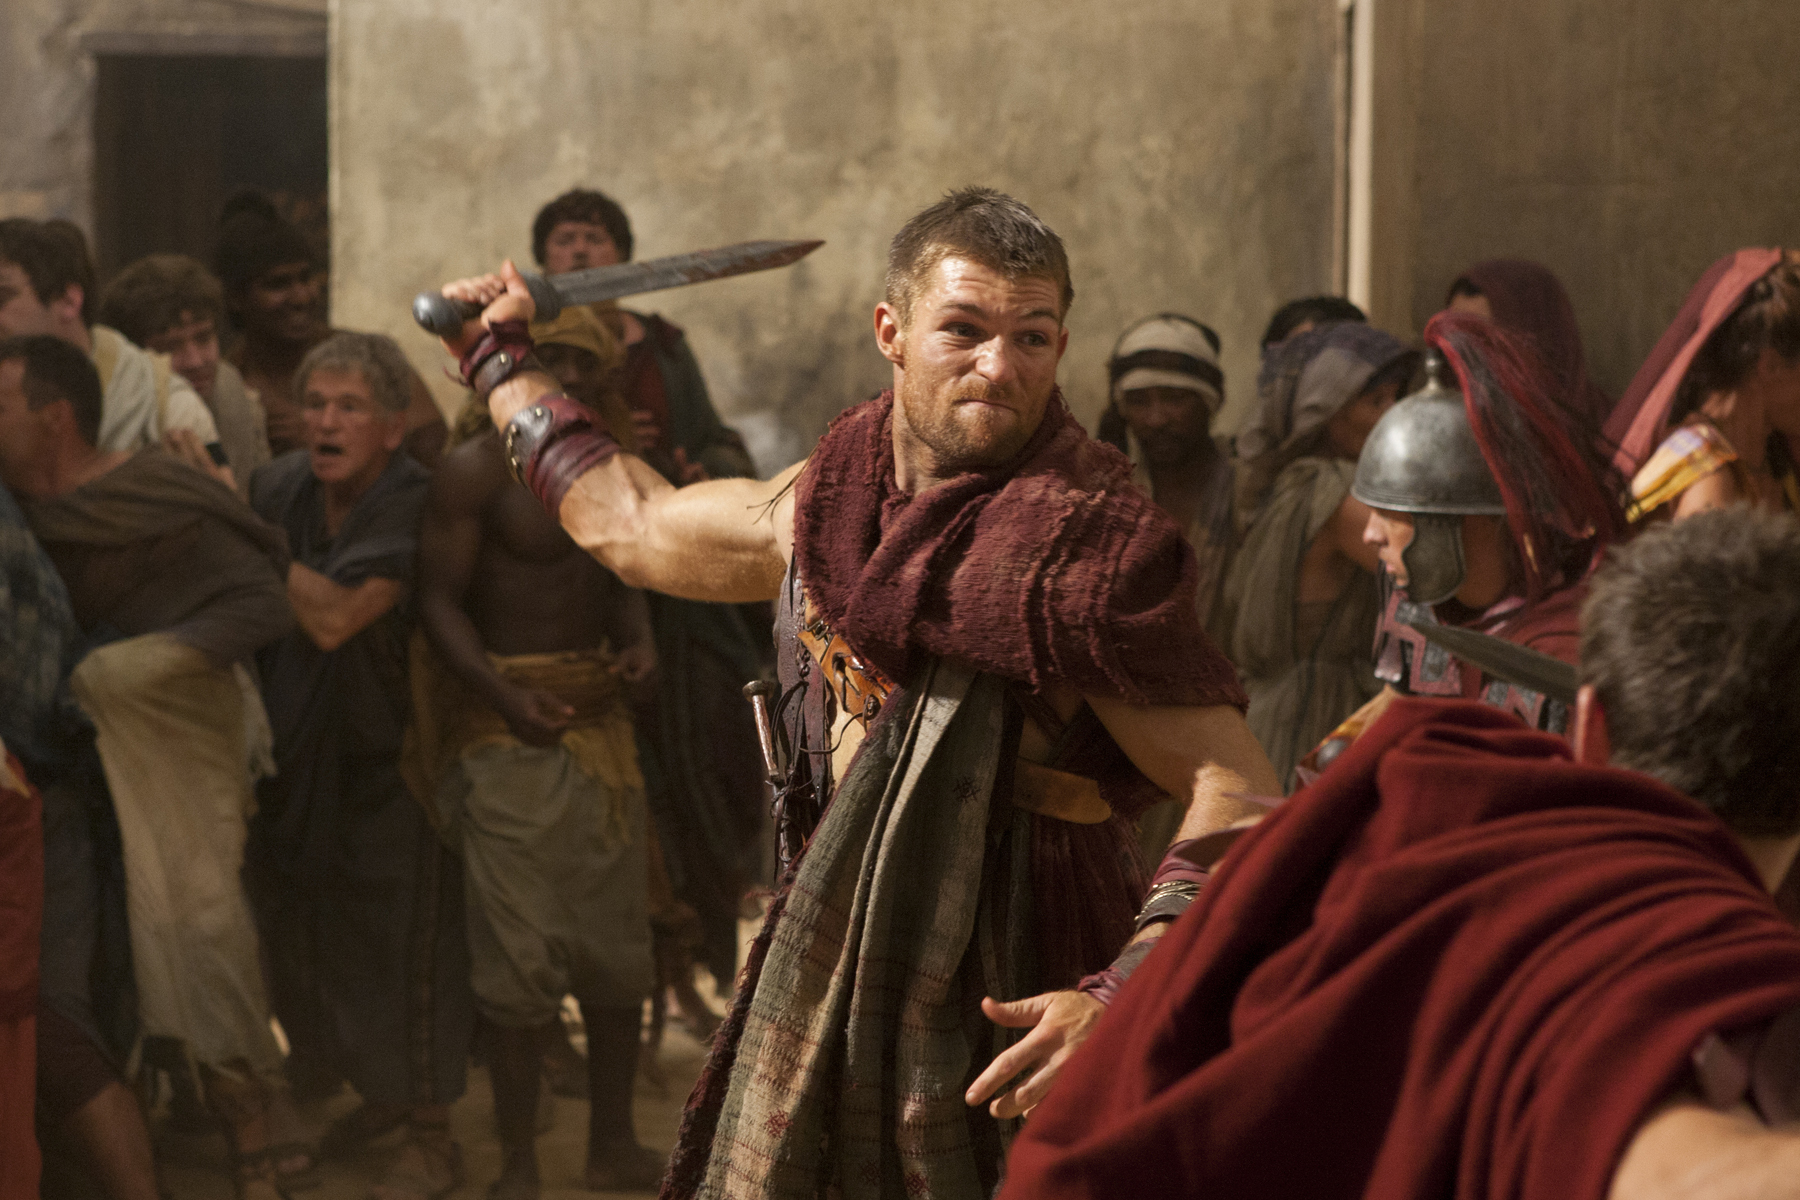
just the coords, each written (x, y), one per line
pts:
(1168, 350)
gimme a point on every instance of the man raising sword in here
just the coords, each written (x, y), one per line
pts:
(990, 664)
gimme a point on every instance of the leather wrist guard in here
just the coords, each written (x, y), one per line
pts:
(503, 351)
(1104, 985)
(554, 442)
(1175, 885)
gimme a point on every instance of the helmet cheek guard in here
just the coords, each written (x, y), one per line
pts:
(1434, 561)
(1422, 458)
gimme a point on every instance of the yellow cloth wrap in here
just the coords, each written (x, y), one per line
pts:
(449, 719)
(1685, 457)
(596, 328)
(581, 326)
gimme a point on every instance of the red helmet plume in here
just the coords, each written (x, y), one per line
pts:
(1561, 493)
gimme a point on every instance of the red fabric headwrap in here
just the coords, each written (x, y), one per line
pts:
(1528, 299)
(1050, 569)
(1641, 420)
(1457, 965)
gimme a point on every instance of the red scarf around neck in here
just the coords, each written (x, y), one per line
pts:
(1051, 569)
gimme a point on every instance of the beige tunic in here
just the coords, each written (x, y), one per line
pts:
(143, 397)
(1305, 670)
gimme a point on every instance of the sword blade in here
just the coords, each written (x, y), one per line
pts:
(444, 317)
(1516, 664)
(677, 270)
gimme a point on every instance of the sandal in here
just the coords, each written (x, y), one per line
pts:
(291, 1141)
(309, 1174)
(253, 1177)
(360, 1126)
(429, 1166)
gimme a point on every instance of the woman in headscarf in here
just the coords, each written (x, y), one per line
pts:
(1299, 607)
(1712, 418)
(1526, 299)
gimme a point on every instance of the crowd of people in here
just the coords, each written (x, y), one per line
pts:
(1408, 775)
(327, 722)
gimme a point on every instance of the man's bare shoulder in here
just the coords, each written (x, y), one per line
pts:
(469, 476)
(1687, 1150)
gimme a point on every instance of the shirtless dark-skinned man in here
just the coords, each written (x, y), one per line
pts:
(542, 789)
(974, 611)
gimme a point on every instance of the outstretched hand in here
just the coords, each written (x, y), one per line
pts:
(504, 297)
(1059, 1023)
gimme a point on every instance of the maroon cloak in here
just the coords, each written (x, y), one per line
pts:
(21, 919)
(1641, 421)
(1529, 300)
(1458, 964)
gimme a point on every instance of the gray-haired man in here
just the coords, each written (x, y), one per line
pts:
(359, 903)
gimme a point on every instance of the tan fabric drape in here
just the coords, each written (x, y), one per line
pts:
(171, 737)
(1304, 676)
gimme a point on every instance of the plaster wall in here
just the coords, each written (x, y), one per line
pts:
(1624, 143)
(47, 52)
(1183, 151)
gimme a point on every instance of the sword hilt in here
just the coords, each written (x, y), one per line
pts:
(443, 316)
(759, 692)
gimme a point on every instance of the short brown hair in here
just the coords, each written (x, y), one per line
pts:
(56, 370)
(53, 254)
(984, 226)
(374, 356)
(1691, 638)
(590, 208)
(150, 296)
(1767, 318)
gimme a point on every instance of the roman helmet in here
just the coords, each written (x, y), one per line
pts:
(1422, 458)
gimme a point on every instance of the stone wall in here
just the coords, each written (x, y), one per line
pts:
(1624, 144)
(47, 53)
(1183, 151)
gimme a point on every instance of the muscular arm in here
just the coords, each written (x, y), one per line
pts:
(628, 621)
(1687, 1151)
(724, 540)
(628, 625)
(449, 540)
(331, 613)
(426, 432)
(1206, 753)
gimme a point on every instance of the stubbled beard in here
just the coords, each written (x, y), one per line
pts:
(956, 447)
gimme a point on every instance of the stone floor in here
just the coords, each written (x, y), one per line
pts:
(193, 1168)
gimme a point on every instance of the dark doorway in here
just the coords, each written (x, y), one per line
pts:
(174, 137)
